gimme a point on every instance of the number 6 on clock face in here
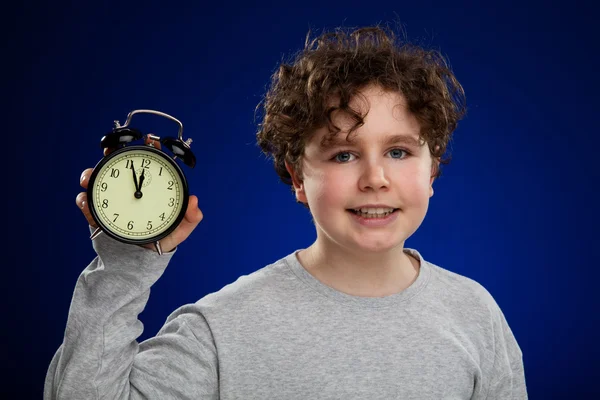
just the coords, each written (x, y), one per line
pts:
(137, 194)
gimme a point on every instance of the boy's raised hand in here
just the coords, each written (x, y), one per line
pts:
(192, 218)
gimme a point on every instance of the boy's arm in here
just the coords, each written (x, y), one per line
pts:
(511, 385)
(507, 380)
(100, 357)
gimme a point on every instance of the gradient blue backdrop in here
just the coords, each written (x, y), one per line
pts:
(515, 210)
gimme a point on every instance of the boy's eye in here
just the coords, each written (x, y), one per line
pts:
(343, 157)
(397, 153)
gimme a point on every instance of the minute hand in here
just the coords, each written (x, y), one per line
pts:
(135, 182)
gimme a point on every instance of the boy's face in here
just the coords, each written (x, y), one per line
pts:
(370, 170)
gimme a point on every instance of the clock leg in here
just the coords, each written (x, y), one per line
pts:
(158, 248)
(97, 232)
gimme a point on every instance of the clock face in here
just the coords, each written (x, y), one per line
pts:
(137, 194)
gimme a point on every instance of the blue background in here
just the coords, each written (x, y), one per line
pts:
(515, 210)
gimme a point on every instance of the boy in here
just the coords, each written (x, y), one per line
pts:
(357, 126)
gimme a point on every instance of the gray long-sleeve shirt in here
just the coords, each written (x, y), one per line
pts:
(279, 333)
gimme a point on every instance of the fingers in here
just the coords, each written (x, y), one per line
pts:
(81, 199)
(85, 177)
(154, 143)
(82, 203)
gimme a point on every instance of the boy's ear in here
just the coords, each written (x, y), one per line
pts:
(435, 164)
(432, 179)
(298, 184)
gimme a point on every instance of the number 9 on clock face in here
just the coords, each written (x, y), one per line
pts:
(137, 194)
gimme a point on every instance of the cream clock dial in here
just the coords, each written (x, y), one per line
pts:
(137, 194)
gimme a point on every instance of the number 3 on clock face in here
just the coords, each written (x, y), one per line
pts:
(137, 194)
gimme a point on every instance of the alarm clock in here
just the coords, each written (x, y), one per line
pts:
(138, 194)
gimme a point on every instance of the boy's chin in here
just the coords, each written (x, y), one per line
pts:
(374, 246)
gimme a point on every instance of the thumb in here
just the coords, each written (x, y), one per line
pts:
(192, 218)
(193, 214)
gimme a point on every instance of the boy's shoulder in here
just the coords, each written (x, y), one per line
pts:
(262, 284)
(459, 290)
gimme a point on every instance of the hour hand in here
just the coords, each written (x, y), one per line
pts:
(139, 189)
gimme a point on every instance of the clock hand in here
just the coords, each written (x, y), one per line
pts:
(141, 181)
(135, 182)
(137, 194)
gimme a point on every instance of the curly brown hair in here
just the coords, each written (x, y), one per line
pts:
(337, 65)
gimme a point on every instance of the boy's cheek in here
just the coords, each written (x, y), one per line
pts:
(328, 193)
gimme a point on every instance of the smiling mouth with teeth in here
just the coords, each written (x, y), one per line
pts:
(373, 212)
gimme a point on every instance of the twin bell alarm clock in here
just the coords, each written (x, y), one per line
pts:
(138, 194)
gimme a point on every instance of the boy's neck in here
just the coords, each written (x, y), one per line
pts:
(363, 275)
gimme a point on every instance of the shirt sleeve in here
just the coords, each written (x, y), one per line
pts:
(507, 379)
(100, 357)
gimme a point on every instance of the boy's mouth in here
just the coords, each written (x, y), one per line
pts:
(373, 213)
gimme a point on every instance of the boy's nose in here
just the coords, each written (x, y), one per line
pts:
(374, 178)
